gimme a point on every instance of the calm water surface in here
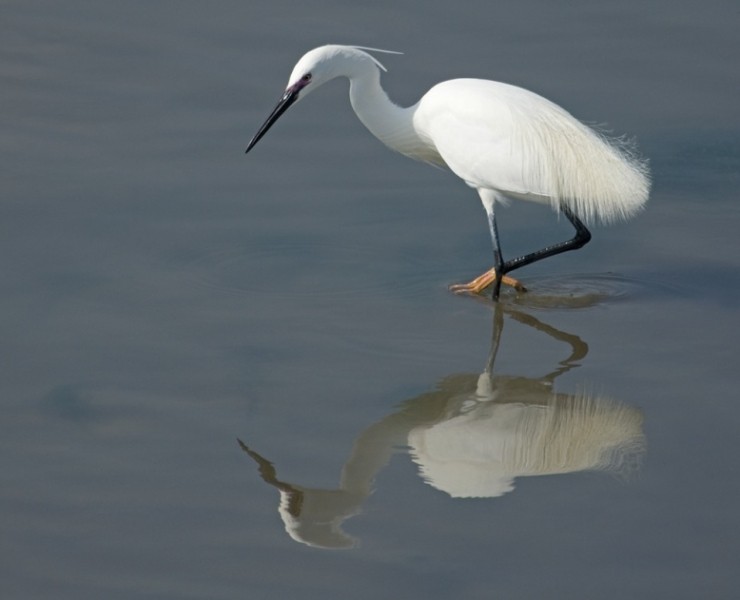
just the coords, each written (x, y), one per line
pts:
(232, 377)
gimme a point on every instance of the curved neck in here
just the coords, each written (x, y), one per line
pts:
(390, 123)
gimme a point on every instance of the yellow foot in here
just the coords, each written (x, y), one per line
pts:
(483, 281)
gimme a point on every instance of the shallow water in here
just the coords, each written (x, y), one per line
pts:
(164, 295)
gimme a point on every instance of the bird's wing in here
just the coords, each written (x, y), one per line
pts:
(516, 143)
(474, 125)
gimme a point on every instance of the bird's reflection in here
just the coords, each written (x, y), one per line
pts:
(472, 437)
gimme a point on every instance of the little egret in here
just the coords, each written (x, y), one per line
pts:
(502, 140)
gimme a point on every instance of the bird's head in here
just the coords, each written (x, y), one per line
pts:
(313, 70)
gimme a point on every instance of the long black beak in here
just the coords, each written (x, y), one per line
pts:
(289, 97)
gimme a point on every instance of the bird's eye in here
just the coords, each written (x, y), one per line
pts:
(306, 78)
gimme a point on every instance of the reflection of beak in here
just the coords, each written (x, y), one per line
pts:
(289, 97)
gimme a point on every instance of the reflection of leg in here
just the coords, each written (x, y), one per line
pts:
(579, 348)
(498, 328)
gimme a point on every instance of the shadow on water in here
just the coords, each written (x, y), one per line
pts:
(472, 437)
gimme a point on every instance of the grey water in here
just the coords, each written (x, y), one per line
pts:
(229, 376)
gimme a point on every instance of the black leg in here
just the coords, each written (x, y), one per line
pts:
(580, 239)
(498, 261)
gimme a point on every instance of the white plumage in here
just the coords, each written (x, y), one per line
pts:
(509, 140)
(502, 140)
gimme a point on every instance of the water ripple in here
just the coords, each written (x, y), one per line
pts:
(578, 290)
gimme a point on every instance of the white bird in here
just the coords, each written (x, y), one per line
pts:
(502, 140)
